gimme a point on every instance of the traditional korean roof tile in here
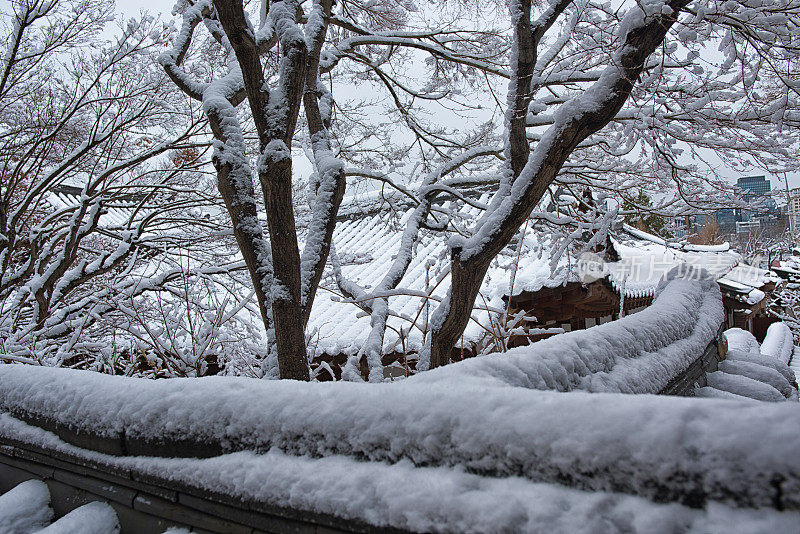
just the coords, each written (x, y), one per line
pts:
(645, 258)
(114, 216)
(367, 245)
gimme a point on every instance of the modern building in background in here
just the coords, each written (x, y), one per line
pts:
(755, 189)
(794, 210)
(765, 216)
(747, 227)
(755, 186)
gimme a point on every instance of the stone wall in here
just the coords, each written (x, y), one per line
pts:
(148, 505)
(695, 375)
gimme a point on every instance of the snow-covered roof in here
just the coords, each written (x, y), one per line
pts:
(645, 259)
(27, 508)
(644, 236)
(790, 266)
(366, 247)
(114, 216)
(746, 281)
(639, 353)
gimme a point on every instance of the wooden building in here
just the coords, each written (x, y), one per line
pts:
(552, 296)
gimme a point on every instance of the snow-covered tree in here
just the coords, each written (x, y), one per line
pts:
(638, 98)
(634, 66)
(96, 119)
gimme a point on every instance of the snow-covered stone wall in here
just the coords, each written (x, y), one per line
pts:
(640, 353)
(283, 492)
(664, 448)
(484, 420)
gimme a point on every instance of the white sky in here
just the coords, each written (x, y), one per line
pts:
(164, 8)
(132, 7)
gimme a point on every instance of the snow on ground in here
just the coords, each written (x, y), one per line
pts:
(25, 509)
(428, 499)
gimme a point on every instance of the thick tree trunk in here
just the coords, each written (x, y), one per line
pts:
(275, 123)
(276, 181)
(588, 113)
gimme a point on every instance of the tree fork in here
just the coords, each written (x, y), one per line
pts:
(467, 274)
(275, 176)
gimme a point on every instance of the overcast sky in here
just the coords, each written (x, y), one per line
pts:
(164, 8)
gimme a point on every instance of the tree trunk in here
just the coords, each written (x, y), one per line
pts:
(587, 114)
(275, 129)
(241, 206)
(276, 181)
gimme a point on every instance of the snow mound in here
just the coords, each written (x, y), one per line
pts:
(778, 342)
(26, 508)
(647, 445)
(464, 418)
(92, 518)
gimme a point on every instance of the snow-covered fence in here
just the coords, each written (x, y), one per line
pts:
(483, 419)
(641, 353)
(282, 492)
(139, 501)
(663, 448)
